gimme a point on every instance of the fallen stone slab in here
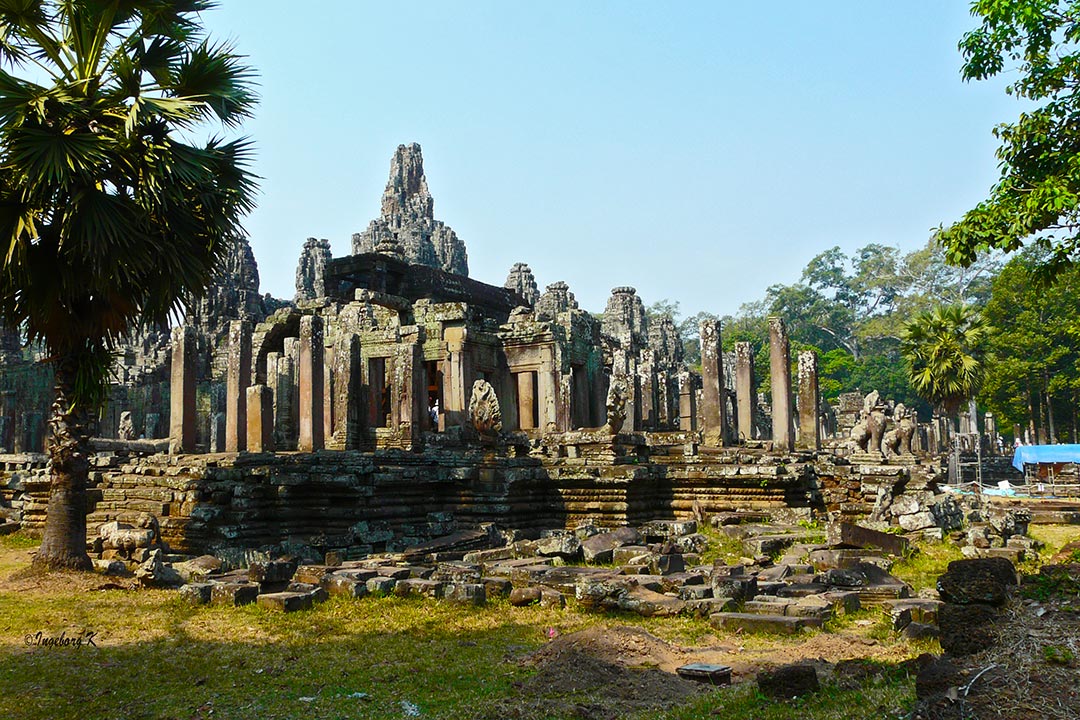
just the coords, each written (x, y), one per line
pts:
(285, 601)
(463, 541)
(766, 607)
(827, 558)
(857, 536)
(659, 530)
(780, 624)
(705, 673)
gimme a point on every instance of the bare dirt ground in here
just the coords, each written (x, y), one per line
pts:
(605, 673)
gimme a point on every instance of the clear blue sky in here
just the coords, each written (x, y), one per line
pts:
(697, 151)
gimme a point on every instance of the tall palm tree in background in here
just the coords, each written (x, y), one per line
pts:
(944, 349)
(110, 214)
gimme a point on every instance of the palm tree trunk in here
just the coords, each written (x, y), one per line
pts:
(64, 543)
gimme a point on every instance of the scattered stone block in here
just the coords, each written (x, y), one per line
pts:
(694, 592)
(196, 593)
(198, 570)
(766, 607)
(413, 587)
(649, 603)
(780, 624)
(920, 631)
(286, 601)
(789, 681)
(551, 598)
(381, 585)
(668, 564)
(233, 593)
(272, 571)
(966, 629)
(116, 568)
(984, 580)
(738, 587)
(567, 546)
(522, 596)
(628, 554)
(497, 587)
(312, 574)
(465, 593)
(345, 584)
(708, 606)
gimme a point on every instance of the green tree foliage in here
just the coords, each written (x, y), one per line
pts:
(944, 348)
(1037, 198)
(109, 214)
(1033, 366)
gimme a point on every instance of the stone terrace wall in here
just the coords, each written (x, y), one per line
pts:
(362, 502)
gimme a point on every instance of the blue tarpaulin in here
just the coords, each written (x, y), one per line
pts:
(1035, 454)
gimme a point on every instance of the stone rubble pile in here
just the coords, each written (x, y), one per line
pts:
(788, 581)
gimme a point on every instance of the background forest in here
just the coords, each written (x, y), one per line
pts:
(853, 309)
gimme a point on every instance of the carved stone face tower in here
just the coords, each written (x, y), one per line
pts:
(408, 219)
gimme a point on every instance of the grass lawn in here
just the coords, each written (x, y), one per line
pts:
(156, 657)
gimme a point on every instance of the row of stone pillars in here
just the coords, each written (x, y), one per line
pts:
(249, 409)
(718, 429)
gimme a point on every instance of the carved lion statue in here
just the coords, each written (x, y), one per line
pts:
(484, 409)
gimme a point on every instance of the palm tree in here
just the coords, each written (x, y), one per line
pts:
(110, 215)
(943, 347)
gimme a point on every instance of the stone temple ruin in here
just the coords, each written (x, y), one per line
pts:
(396, 401)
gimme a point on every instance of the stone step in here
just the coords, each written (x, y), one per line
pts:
(780, 624)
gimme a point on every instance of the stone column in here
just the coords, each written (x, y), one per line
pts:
(991, 432)
(647, 390)
(687, 403)
(311, 384)
(237, 379)
(783, 428)
(182, 391)
(218, 430)
(457, 378)
(713, 408)
(526, 393)
(745, 391)
(346, 394)
(285, 404)
(809, 402)
(260, 419)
